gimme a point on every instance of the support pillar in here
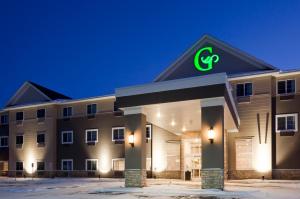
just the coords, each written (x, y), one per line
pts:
(212, 172)
(135, 154)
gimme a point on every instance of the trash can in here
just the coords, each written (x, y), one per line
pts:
(187, 176)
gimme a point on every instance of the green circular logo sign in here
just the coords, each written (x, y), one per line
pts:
(205, 62)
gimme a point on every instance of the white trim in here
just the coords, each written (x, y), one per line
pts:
(133, 110)
(149, 126)
(86, 131)
(62, 137)
(112, 163)
(285, 80)
(215, 101)
(86, 160)
(5, 136)
(286, 115)
(112, 133)
(66, 160)
(69, 116)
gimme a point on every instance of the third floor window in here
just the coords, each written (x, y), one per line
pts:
(41, 113)
(91, 109)
(244, 89)
(67, 112)
(286, 87)
(19, 116)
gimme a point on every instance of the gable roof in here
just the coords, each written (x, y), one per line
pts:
(257, 63)
(42, 94)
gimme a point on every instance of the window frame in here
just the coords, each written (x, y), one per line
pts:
(149, 126)
(112, 133)
(244, 86)
(22, 139)
(44, 113)
(22, 165)
(62, 164)
(4, 146)
(112, 163)
(37, 167)
(22, 115)
(86, 164)
(286, 93)
(41, 133)
(68, 116)
(285, 116)
(86, 133)
(7, 119)
(62, 137)
(91, 109)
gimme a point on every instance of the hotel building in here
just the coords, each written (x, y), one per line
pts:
(216, 113)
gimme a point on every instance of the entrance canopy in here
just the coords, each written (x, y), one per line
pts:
(175, 105)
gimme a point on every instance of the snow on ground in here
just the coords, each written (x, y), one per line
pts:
(90, 188)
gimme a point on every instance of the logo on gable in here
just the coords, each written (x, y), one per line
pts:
(205, 59)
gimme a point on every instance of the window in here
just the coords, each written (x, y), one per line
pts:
(173, 156)
(287, 122)
(40, 138)
(19, 116)
(91, 135)
(41, 113)
(148, 164)
(91, 109)
(19, 139)
(243, 154)
(4, 119)
(67, 137)
(244, 89)
(148, 131)
(118, 164)
(91, 164)
(118, 133)
(67, 164)
(286, 87)
(3, 141)
(40, 166)
(19, 166)
(67, 112)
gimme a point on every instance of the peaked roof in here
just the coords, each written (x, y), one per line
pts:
(257, 63)
(42, 94)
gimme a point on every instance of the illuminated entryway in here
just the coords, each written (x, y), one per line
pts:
(192, 157)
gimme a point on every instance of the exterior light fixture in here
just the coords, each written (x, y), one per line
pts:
(131, 139)
(211, 135)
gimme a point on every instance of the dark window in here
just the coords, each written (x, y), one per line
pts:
(148, 131)
(41, 113)
(19, 139)
(91, 109)
(118, 134)
(290, 86)
(40, 138)
(290, 122)
(67, 137)
(244, 89)
(40, 166)
(287, 122)
(4, 141)
(67, 165)
(4, 119)
(19, 166)
(67, 112)
(91, 135)
(281, 121)
(286, 87)
(91, 165)
(19, 116)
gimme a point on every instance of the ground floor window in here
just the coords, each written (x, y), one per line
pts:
(19, 166)
(244, 154)
(91, 164)
(118, 164)
(40, 166)
(67, 164)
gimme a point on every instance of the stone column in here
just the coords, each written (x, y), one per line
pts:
(135, 156)
(212, 171)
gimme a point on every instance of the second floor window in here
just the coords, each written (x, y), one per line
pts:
(19, 140)
(40, 138)
(41, 113)
(67, 112)
(286, 87)
(244, 89)
(67, 137)
(3, 141)
(19, 116)
(91, 135)
(91, 109)
(4, 119)
(287, 122)
(118, 133)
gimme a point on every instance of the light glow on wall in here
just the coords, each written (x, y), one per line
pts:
(105, 162)
(263, 158)
(30, 159)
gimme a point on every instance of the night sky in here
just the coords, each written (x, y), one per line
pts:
(88, 48)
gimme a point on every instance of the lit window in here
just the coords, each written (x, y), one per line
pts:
(40, 138)
(119, 164)
(4, 119)
(3, 141)
(244, 89)
(173, 156)
(285, 87)
(148, 131)
(19, 116)
(287, 122)
(19, 139)
(91, 164)
(67, 112)
(41, 113)
(40, 166)
(243, 154)
(67, 137)
(67, 165)
(91, 109)
(91, 135)
(148, 164)
(19, 166)
(118, 133)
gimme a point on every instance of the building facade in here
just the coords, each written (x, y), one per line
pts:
(216, 113)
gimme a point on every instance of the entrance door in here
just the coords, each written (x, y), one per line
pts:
(192, 157)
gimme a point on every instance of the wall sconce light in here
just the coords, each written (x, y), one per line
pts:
(211, 135)
(131, 139)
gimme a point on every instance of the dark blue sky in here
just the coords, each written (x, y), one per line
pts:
(89, 48)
